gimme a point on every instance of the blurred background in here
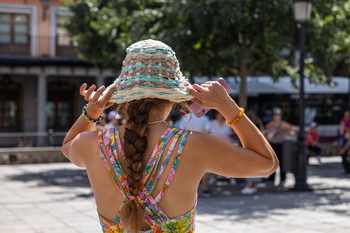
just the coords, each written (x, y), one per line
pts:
(291, 55)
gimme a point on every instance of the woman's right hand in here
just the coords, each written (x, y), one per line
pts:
(210, 95)
(96, 98)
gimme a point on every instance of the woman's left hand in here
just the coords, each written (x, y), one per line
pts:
(95, 98)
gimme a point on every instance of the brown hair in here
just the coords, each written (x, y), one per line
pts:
(135, 143)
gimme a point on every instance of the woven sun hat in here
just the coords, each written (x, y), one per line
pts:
(150, 70)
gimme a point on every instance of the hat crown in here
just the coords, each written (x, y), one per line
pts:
(144, 44)
(150, 70)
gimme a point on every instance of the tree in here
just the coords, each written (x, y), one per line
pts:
(328, 40)
(103, 29)
(238, 38)
(230, 38)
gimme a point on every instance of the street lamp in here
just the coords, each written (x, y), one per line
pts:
(302, 13)
(46, 5)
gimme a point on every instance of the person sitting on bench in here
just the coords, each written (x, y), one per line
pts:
(312, 141)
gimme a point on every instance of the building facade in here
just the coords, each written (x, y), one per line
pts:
(40, 73)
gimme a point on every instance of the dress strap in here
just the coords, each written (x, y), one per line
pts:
(104, 159)
(173, 169)
(109, 140)
(117, 140)
(166, 159)
(156, 155)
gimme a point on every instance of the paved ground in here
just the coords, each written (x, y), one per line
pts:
(56, 198)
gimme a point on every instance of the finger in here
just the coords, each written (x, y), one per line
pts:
(200, 88)
(108, 95)
(198, 102)
(82, 89)
(109, 104)
(97, 94)
(192, 91)
(89, 93)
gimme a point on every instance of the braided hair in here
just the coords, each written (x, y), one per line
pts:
(135, 143)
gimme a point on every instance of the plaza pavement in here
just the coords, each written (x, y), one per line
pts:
(57, 198)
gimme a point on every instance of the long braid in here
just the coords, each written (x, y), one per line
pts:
(135, 143)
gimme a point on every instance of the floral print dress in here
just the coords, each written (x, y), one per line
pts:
(153, 215)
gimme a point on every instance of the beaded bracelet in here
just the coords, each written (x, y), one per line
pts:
(88, 119)
(237, 118)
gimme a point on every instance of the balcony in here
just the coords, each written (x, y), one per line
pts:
(36, 47)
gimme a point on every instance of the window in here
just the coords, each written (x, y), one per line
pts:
(20, 29)
(62, 32)
(5, 28)
(9, 108)
(59, 109)
(13, 28)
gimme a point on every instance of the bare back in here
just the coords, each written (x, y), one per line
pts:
(180, 196)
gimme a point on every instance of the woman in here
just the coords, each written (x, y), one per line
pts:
(219, 128)
(144, 193)
(345, 126)
(312, 142)
(277, 131)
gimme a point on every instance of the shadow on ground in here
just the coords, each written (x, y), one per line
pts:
(331, 193)
(228, 203)
(58, 177)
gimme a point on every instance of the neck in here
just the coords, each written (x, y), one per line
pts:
(155, 114)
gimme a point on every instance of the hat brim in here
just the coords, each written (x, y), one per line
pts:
(176, 95)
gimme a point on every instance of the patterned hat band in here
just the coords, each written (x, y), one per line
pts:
(150, 70)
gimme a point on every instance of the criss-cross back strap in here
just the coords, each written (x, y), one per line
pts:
(166, 159)
(104, 159)
(109, 140)
(154, 214)
(173, 169)
(155, 158)
(149, 203)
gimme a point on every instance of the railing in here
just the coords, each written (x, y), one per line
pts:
(40, 46)
(31, 139)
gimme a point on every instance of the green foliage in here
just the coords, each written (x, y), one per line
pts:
(214, 38)
(103, 29)
(328, 40)
(217, 37)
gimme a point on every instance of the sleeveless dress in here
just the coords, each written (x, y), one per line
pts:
(153, 215)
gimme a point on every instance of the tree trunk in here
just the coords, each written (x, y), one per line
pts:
(242, 96)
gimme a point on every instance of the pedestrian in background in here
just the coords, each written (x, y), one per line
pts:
(114, 119)
(345, 154)
(102, 125)
(312, 141)
(345, 126)
(345, 141)
(191, 122)
(219, 128)
(277, 131)
(145, 173)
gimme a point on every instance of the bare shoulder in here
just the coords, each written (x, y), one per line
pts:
(82, 148)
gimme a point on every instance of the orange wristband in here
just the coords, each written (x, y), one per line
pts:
(237, 118)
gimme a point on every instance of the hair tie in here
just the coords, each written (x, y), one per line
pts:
(132, 198)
